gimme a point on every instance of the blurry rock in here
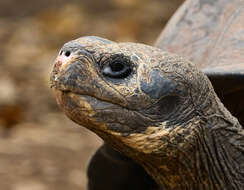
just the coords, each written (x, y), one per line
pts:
(10, 115)
(54, 156)
(8, 92)
(10, 111)
(63, 22)
(31, 185)
(128, 3)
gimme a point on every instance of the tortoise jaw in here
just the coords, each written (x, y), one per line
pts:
(99, 114)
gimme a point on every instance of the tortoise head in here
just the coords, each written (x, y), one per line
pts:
(128, 92)
(152, 106)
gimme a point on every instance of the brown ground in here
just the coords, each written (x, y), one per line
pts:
(40, 148)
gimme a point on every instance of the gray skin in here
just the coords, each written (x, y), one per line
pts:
(164, 115)
(154, 107)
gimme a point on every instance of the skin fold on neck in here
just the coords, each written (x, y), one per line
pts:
(208, 157)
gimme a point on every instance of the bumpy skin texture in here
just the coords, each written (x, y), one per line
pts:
(156, 108)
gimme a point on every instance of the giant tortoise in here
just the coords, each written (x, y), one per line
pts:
(170, 115)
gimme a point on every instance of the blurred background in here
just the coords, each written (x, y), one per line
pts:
(40, 148)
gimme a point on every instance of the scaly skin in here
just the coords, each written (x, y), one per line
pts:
(161, 111)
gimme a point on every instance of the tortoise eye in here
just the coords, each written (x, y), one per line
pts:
(67, 53)
(117, 69)
(116, 66)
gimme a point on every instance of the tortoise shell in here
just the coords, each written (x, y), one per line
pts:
(211, 35)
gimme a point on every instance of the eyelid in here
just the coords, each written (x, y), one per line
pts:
(108, 58)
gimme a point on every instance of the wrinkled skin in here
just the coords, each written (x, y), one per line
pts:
(154, 107)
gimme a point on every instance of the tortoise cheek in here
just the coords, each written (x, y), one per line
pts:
(157, 85)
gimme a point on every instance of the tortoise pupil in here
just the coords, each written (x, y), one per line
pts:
(117, 70)
(116, 66)
(67, 53)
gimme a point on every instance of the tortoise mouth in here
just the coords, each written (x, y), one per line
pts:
(95, 113)
(97, 104)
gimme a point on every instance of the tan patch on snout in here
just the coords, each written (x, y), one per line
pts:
(80, 111)
(82, 104)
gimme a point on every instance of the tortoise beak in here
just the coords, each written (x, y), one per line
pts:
(63, 77)
(54, 75)
(61, 64)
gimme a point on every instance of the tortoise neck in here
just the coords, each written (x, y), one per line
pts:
(204, 153)
(213, 158)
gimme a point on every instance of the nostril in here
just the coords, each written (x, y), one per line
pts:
(61, 52)
(67, 53)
